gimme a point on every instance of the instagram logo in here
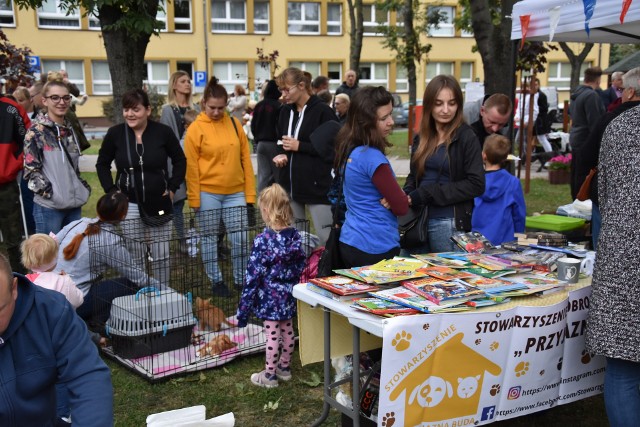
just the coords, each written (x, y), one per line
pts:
(514, 393)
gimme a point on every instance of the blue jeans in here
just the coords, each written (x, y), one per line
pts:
(210, 216)
(178, 218)
(622, 392)
(53, 220)
(596, 223)
(439, 232)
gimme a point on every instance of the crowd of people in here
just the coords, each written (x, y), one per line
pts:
(307, 141)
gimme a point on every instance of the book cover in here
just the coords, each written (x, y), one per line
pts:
(473, 242)
(408, 298)
(381, 307)
(441, 291)
(343, 285)
(493, 286)
(381, 277)
(439, 260)
(398, 265)
(490, 274)
(336, 297)
(445, 273)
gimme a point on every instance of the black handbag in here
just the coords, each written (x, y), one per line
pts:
(331, 258)
(413, 228)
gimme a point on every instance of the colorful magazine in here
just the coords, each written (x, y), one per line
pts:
(490, 274)
(381, 307)
(445, 273)
(473, 242)
(343, 285)
(439, 260)
(442, 291)
(408, 298)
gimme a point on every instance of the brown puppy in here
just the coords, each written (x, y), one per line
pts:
(217, 345)
(210, 315)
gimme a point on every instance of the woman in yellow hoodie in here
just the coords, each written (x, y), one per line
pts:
(219, 176)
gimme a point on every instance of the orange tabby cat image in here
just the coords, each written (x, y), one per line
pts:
(217, 345)
(209, 315)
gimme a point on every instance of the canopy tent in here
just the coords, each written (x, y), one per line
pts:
(605, 26)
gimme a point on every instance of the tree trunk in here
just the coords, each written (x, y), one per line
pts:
(125, 54)
(411, 48)
(355, 34)
(494, 45)
(576, 62)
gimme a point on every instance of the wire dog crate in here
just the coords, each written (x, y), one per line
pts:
(172, 290)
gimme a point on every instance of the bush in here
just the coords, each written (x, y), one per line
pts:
(156, 99)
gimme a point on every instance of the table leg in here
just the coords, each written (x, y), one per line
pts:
(356, 377)
(327, 369)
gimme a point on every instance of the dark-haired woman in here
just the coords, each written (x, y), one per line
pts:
(373, 197)
(109, 252)
(141, 149)
(220, 176)
(446, 165)
(263, 127)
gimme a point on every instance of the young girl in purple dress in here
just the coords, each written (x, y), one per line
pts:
(275, 265)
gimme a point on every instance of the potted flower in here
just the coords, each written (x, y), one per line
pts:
(559, 169)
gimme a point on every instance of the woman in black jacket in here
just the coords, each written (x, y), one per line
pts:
(306, 167)
(141, 149)
(446, 165)
(263, 128)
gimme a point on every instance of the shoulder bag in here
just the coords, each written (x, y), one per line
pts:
(585, 189)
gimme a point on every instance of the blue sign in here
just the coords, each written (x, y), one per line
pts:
(34, 64)
(200, 78)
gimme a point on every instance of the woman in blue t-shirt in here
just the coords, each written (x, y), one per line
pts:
(370, 231)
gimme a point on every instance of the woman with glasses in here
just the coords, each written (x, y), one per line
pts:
(302, 155)
(51, 154)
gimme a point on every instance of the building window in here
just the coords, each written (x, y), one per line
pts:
(7, 18)
(182, 16)
(261, 74)
(402, 80)
(101, 78)
(373, 18)
(52, 15)
(74, 69)
(437, 68)
(311, 67)
(161, 15)
(187, 67)
(374, 74)
(466, 73)
(261, 17)
(559, 74)
(228, 16)
(157, 76)
(231, 74)
(335, 75)
(94, 22)
(304, 18)
(334, 19)
(445, 27)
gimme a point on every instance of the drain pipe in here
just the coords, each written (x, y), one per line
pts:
(206, 37)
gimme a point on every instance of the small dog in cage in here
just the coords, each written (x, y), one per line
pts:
(210, 316)
(217, 345)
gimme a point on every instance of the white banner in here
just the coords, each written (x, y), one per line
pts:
(476, 368)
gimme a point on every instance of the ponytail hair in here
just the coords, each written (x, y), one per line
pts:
(214, 90)
(112, 207)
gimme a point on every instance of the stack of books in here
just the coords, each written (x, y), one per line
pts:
(340, 288)
(542, 238)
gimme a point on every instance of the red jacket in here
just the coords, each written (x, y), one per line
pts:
(14, 123)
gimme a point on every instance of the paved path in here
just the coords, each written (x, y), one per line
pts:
(400, 166)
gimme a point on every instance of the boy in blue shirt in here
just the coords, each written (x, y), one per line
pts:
(500, 211)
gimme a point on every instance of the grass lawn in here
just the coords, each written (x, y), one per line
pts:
(299, 402)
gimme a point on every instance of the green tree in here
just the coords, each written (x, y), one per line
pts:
(620, 51)
(14, 65)
(127, 27)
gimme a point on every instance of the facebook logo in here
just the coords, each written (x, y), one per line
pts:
(488, 413)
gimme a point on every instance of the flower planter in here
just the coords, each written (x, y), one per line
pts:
(559, 177)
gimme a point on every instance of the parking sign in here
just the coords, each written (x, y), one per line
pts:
(34, 64)
(199, 80)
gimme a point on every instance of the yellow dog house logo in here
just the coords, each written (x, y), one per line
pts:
(445, 385)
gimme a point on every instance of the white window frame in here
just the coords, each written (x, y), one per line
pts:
(62, 65)
(262, 21)
(161, 15)
(229, 80)
(335, 83)
(303, 20)
(402, 84)
(162, 86)
(314, 67)
(557, 79)
(447, 28)
(8, 12)
(374, 81)
(439, 65)
(59, 15)
(466, 79)
(94, 22)
(337, 23)
(96, 81)
(369, 20)
(181, 20)
(227, 19)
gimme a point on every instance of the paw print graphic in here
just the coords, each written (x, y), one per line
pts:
(542, 373)
(478, 341)
(521, 369)
(560, 364)
(494, 346)
(495, 390)
(586, 357)
(401, 341)
(389, 419)
(425, 326)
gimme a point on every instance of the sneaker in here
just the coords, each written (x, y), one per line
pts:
(283, 374)
(219, 289)
(263, 379)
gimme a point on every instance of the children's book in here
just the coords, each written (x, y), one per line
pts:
(381, 277)
(439, 260)
(473, 242)
(382, 307)
(490, 274)
(408, 298)
(442, 291)
(493, 286)
(535, 284)
(398, 265)
(343, 285)
(445, 273)
(330, 294)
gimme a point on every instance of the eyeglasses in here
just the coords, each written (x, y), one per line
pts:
(288, 89)
(57, 98)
